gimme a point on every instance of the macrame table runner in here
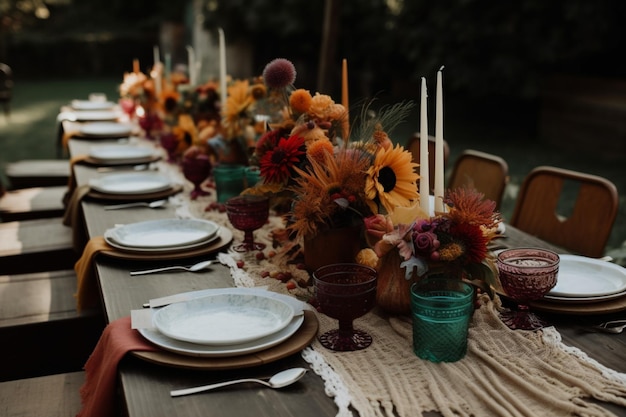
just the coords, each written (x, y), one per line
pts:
(505, 372)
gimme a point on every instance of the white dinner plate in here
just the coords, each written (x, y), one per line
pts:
(165, 233)
(106, 129)
(116, 153)
(583, 300)
(223, 319)
(582, 277)
(193, 349)
(91, 105)
(96, 115)
(158, 251)
(131, 183)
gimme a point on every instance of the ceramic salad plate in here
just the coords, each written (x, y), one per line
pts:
(223, 319)
(164, 233)
(91, 105)
(584, 278)
(106, 129)
(95, 115)
(117, 153)
(194, 349)
(131, 183)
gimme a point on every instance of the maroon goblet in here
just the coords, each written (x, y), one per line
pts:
(248, 213)
(526, 275)
(345, 292)
(197, 169)
(169, 142)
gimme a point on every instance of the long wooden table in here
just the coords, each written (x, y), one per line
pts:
(144, 386)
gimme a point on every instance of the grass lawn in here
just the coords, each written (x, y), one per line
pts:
(499, 129)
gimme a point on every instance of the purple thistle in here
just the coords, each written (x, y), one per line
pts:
(279, 73)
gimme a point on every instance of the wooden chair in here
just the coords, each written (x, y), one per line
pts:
(37, 173)
(581, 224)
(413, 145)
(51, 396)
(31, 203)
(6, 88)
(487, 173)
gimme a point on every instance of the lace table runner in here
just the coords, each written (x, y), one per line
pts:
(505, 372)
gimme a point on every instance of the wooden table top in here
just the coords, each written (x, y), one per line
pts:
(145, 386)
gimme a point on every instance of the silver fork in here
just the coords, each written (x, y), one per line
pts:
(614, 326)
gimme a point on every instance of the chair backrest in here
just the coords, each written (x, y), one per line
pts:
(487, 173)
(413, 145)
(571, 209)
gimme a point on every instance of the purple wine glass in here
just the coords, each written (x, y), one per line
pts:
(526, 275)
(248, 213)
(345, 292)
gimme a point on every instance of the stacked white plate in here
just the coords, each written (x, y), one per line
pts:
(225, 324)
(587, 280)
(131, 183)
(91, 105)
(95, 115)
(106, 129)
(165, 235)
(121, 154)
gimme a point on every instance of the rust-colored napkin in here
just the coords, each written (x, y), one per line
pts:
(98, 393)
(87, 294)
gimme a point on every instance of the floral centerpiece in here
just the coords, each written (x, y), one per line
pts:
(328, 181)
(408, 245)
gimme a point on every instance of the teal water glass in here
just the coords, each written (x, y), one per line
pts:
(252, 175)
(441, 309)
(229, 181)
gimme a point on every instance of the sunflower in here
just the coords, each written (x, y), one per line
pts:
(239, 99)
(391, 180)
(278, 163)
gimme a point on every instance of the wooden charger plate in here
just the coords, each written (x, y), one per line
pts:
(587, 308)
(301, 338)
(174, 189)
(224, 239)
(120, 162)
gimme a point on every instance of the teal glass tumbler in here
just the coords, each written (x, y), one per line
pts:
(253, 176)
(229, 181)
(441, 309)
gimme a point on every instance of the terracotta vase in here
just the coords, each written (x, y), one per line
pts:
(393, 289)
(331, 246)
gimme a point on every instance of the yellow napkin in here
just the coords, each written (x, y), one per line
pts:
(88, 295)
(65, 139)
(73, 217)
(71, 183)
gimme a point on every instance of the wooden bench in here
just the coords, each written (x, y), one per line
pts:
(49, 396)
(41, 331)
(35, 246)
(32, 203)
(38, 173)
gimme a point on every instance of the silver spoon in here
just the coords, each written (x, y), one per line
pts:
(151, 204)
(193, 268)
(615, 326)
(280, 380)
